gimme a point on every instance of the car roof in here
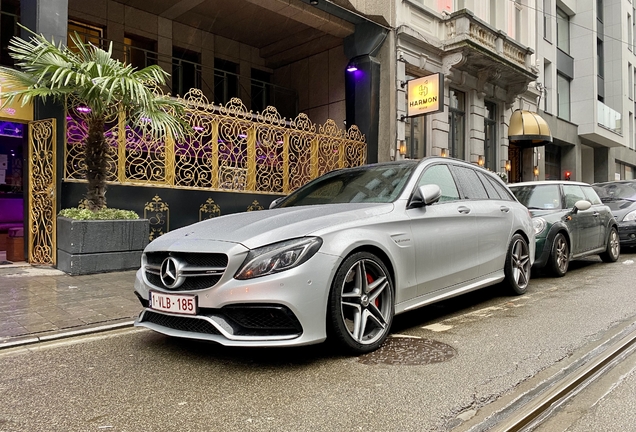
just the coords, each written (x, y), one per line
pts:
(614, 182)
(547, 182)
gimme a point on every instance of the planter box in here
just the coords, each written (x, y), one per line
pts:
(97, 246)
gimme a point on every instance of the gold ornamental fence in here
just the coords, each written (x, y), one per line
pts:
(228, 148)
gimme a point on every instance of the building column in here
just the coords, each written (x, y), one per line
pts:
(50, 18)
(604, 166)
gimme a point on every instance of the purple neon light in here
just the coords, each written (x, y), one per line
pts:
(198, 128)
(84, 109)
(351, 68)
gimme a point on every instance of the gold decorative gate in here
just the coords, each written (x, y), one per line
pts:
(42, 217)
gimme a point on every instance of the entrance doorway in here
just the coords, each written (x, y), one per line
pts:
(516, 165)
(13, 145)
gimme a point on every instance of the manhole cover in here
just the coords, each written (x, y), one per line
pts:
(409, 351)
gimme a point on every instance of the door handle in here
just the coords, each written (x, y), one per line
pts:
(463, 209)
(504, 209)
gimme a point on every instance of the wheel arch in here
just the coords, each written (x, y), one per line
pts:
(381, 255)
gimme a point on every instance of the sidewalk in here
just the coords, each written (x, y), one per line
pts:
(43, 303)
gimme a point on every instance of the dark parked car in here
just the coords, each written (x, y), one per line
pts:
(620, 197)
(570, 222)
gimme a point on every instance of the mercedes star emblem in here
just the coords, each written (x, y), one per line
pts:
(171, 273)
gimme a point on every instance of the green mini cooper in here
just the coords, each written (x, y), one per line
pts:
(570, 222)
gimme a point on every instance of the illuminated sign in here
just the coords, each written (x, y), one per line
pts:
(425, 95)
(15, 111)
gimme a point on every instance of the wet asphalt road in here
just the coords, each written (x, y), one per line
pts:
(485, 343)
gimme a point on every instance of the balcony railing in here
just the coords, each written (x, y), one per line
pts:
(608, 118)
(229, 148)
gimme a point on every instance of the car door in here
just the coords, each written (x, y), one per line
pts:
(444, 234)
(585, 225)
(602, 212)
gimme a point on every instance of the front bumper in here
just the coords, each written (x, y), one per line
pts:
(542, 252)
(283, 309)
(627, 233)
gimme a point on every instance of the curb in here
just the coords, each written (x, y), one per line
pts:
(64, 333)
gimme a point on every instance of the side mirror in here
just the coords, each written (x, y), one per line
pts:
(580, 205)
(425, 195)
(274, 203)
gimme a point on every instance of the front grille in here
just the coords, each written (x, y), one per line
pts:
(259, 320)
(186, 324)
(200, 270)
(191, 284)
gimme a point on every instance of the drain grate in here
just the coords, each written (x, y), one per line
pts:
(409, 352)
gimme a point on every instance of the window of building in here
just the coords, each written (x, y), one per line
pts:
(415, 135)
(457, 121)
(630, 81)
(547, 80)
(226, 82)
(139, 51)
(490, 141)
(626, 172)
(552, 162)
(563, 97)
(599, 10)
(600, 63)
(547, 22)
(86, 32)
(9, 12)
(630, 35)
(186, 70)
(260, 89)
(563, 31)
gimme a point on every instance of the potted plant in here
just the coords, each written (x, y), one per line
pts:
(104, 86)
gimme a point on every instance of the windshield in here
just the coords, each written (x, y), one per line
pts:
(538, 197)
(616, 191)
(367, 184)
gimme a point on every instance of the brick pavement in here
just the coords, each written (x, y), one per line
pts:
(43, 303)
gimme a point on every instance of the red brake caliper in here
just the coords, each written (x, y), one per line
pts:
(370, 280)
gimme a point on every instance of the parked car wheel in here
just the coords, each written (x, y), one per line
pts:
(361, 303)
(613, 247)
(560, 255)
(518, 265)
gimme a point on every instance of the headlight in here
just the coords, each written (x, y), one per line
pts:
(278, 257)
(631, 216)
(539, 225)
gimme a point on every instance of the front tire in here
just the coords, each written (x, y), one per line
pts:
(613, 250)
(361, 304)
(517, 267)
(560, 256)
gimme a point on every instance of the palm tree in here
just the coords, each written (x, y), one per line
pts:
(103, 84)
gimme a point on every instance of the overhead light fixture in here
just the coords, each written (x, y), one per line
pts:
(313, 2)
(480, 160)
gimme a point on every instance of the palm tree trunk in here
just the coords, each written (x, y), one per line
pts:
(97, 151)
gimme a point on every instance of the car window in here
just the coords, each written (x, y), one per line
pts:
(490, 189)
(573, 193)
(538, 197)
(590, 195)
(367, 184)
(441, 176)
(469, 183)
(503, 192)
(616, 191)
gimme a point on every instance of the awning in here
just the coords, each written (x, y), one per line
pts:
(528, 129)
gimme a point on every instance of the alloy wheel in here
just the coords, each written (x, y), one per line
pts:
(366, 302)
(520, 263)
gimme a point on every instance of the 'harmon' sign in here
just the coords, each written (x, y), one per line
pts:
(425, 95)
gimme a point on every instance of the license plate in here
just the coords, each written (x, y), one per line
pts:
(181, 304)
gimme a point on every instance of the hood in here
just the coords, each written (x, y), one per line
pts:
(547, 213)
(620, 207)
(258, 228)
